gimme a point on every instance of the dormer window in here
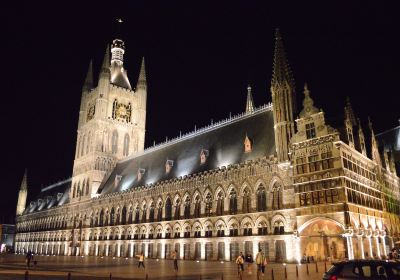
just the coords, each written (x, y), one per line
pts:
(117, 180)
(203, 156)
(140, 173)
(248, 145)
(310, 130)
(168, 165)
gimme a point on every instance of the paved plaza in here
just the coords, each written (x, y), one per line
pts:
(58, 267)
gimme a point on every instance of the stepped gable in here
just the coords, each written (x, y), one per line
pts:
(222, 144)
(52, 196)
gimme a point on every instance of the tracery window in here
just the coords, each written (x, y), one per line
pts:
(137, 215)
(197, 207)
(276, 197)
(144, 213)
(246, 205)
(112, 217)
(177, 213)
(168, 209)
(159, 212)
(114, 142)
(261, 199)
(279, 227)
(126, 145)
(151, 214)
(186, 213)
(220, 204)
(208, 202)
(233, 202)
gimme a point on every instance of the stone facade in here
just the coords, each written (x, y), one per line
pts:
(319, 195)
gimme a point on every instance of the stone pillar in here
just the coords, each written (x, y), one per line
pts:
(181, 250)
(370, 247)
(378, 250)
(146, 250)
(227, 251)
(361, 245)
(384, 245)
(203, 250)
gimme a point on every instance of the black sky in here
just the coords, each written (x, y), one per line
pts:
(199, 58)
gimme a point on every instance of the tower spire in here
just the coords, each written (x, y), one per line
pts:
(249, 101)
(142, 82)
(88, 84)
(281, 73)
(374, 145)
(23, 193)
(283, 94)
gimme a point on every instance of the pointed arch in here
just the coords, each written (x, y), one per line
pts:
(114, 142)
(126, 145)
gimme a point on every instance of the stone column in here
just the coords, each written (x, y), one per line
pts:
(227, 251)
(378, 249)
(146, 250)
(361, 245)
(370, 247)
(384, 245)
(203, 250)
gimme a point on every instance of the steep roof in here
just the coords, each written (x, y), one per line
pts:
(390, 141)
(52, 196)
(222, 144)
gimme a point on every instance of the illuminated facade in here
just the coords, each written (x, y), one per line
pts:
(262, 179)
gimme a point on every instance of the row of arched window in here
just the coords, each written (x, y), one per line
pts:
(85, 144)
(188, 208)
(80, 188)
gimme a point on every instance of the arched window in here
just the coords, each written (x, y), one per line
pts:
(151, 214)
(130, 215)
(246, 206)
(101, 218)
(114, 142)
(78, 190)
(168, 209)
(144, 213)
(279, 227)
(232, 202)
(118, 217)
(220, 204)
(186, 213)
(208, 202)
(137, 213)
(123, 216)
(159, 211)
(197, 207)
(112, 216)
(106, 218)
(126, 145)
(276, 197)
(73, 190)
(177, 213)
(261, 199)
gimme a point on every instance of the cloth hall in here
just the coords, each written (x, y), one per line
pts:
(270, 178)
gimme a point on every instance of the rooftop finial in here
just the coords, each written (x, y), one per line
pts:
(249, 101)
(308, 104)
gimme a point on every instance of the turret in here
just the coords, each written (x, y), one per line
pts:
(283, 91)
(349, 122)
(361, 138)
(249, 101)
(374, 145)
(22, 195)
(87, 86)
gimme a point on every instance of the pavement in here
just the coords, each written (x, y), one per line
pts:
(97, 268)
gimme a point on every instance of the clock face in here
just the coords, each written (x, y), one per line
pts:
(122, 111)
(90, 112)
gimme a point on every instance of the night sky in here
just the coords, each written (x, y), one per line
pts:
(199, 60)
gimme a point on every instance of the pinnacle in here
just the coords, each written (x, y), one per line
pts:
(142, 82)
(106, 59)
(89, 77)
(24, 183)
(249, 101)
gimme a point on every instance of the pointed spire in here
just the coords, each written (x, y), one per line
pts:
(89, 78)
(308, 104)
(349, 113)
(361, 138)
(105, 67)
(281, 73)
(374, 145)
(249, 101)
(24, 183)
(142, 82)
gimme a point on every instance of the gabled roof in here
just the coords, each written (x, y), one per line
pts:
(224, 143)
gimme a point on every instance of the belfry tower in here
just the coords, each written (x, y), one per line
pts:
(112, 121)
(283, 91)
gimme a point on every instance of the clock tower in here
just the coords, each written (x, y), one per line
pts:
(111, 125)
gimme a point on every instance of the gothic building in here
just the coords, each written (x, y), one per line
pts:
(267, 178)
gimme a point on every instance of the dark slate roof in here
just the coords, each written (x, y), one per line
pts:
(390, 140)
(51, 196)
(223, 141)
